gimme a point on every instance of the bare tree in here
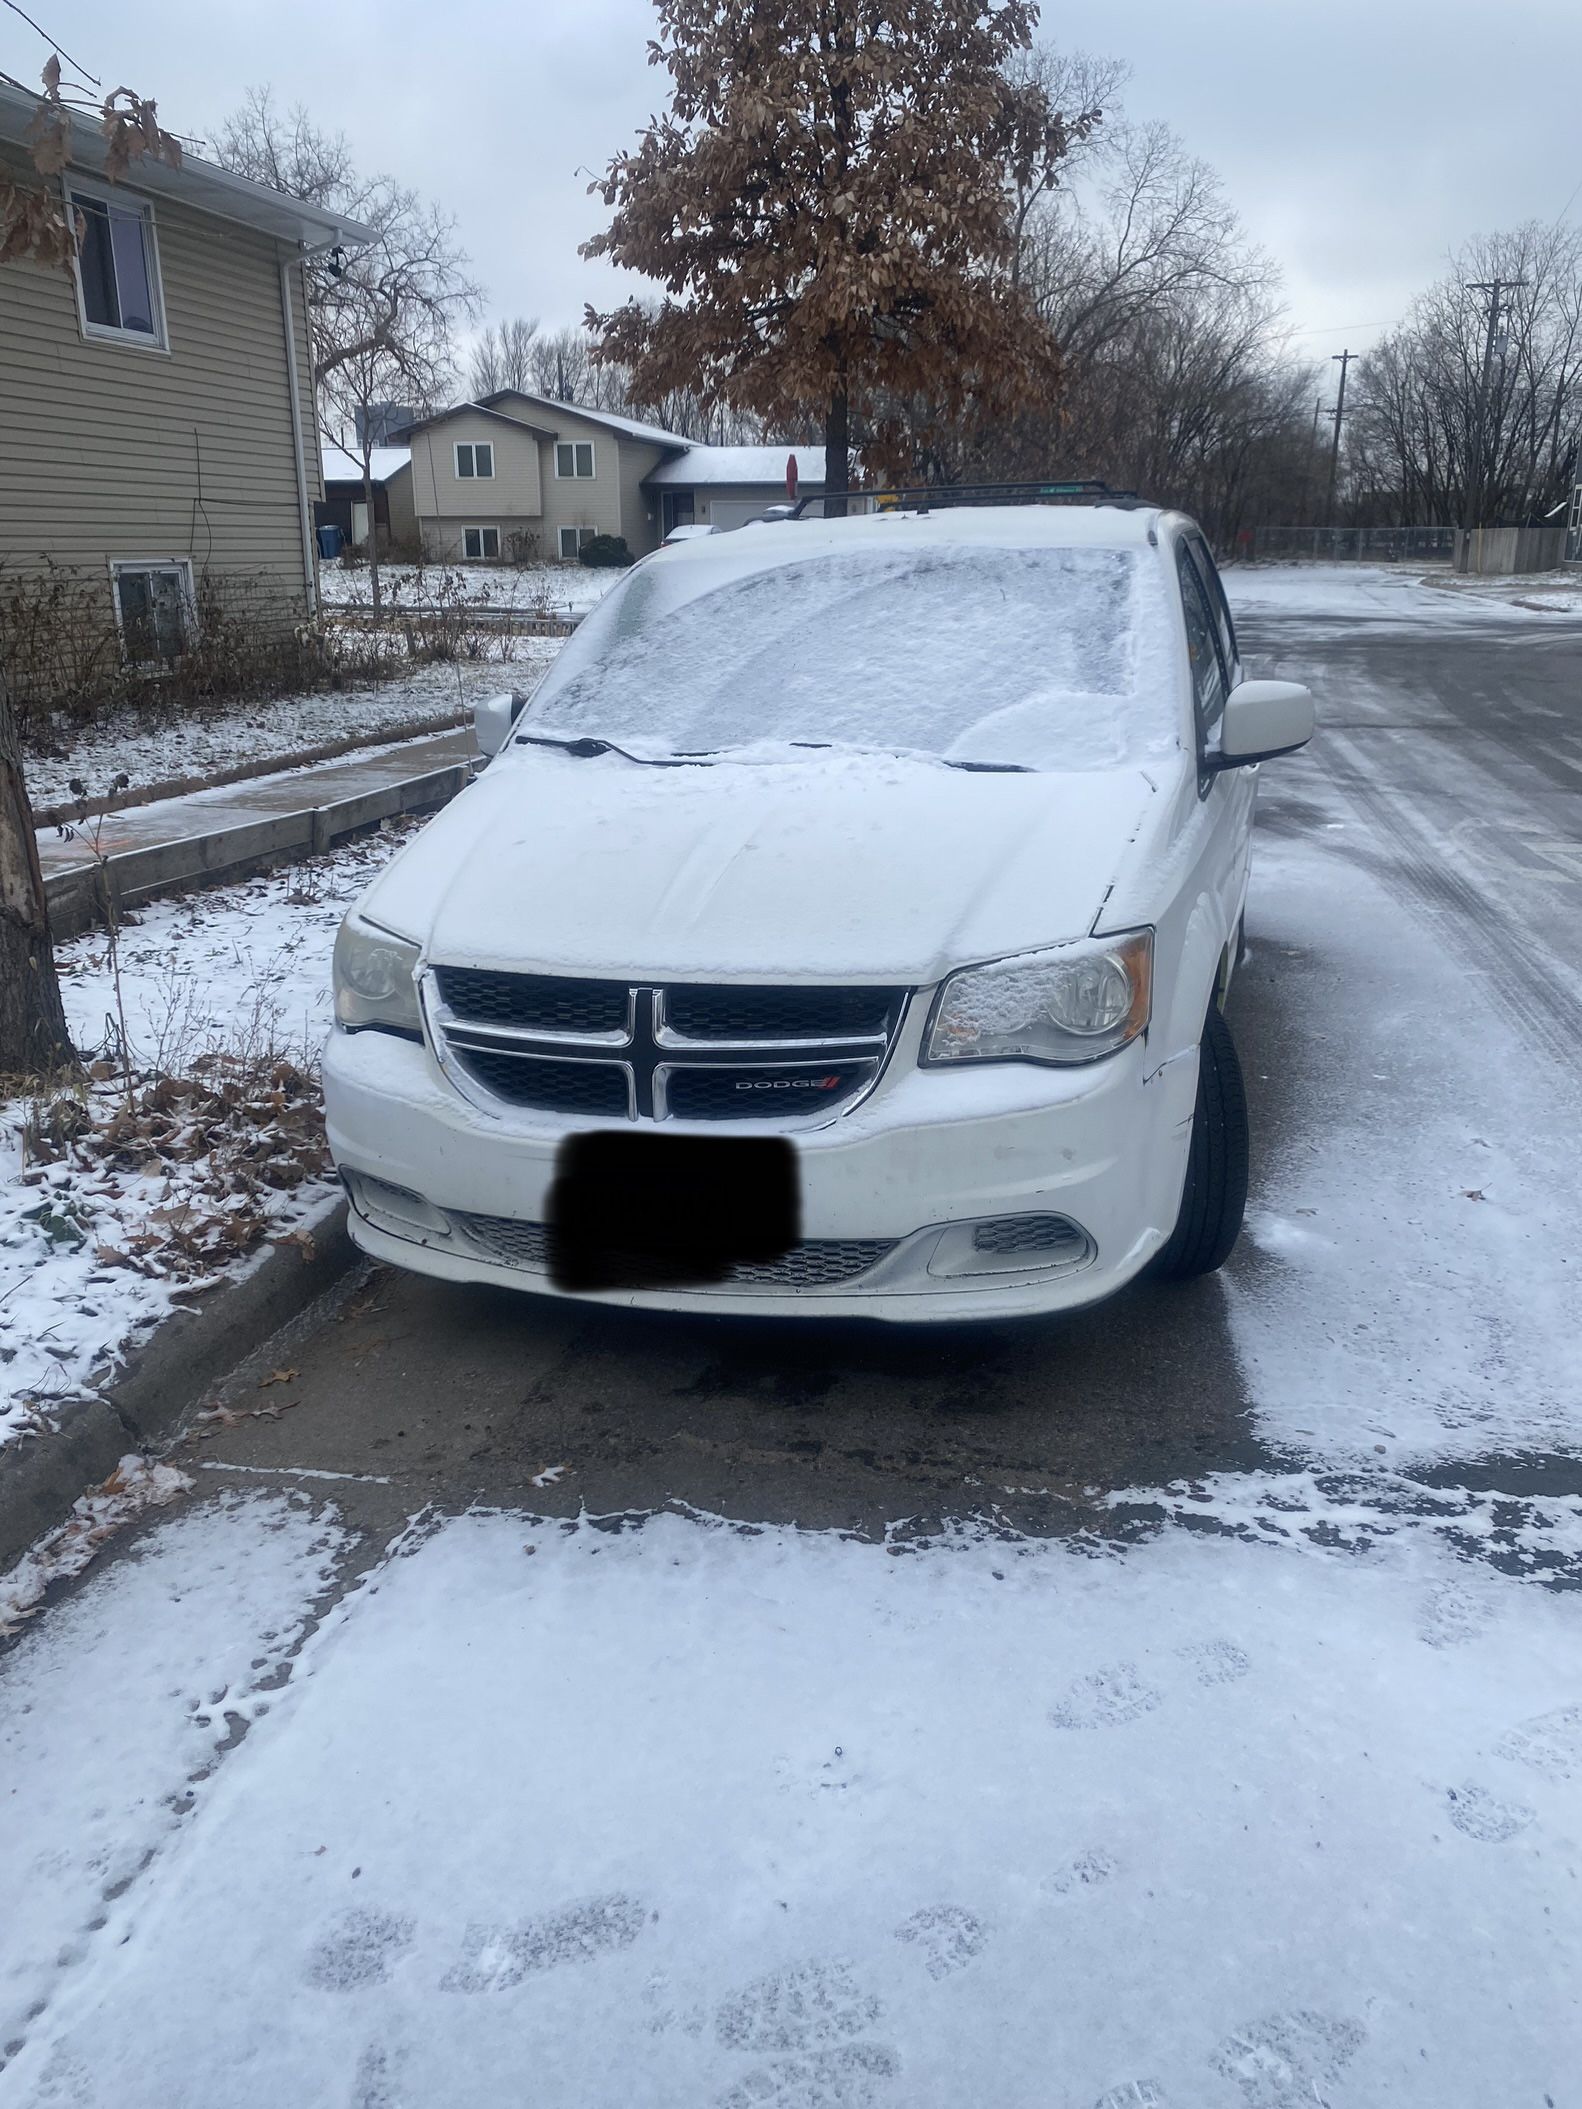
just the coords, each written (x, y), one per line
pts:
(1432, 434)
(390, 309)
(503, 357)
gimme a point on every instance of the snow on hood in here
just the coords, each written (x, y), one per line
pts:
(840, 865)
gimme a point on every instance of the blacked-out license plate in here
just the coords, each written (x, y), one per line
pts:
(650, 1211)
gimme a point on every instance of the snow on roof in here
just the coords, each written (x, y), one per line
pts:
(340, 466)
(987, 526)
(752, 465)
(655, 435)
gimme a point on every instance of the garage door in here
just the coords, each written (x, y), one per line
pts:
(735, 512)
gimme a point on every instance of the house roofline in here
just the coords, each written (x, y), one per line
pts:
(201, 184)
(612, 420)
(480, 409)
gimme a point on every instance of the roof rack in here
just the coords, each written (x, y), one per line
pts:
(925, 497)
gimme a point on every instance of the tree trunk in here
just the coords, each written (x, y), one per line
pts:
(373, 533)
(33, 1035)
(837, 455)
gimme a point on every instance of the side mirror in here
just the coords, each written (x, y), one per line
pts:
(1263, 719)
(492, 720)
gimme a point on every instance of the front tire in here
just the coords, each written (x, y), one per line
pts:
(1214, 1198)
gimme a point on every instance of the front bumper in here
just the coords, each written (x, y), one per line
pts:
(932, 1151)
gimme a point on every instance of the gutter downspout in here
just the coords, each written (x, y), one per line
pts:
(309, 574)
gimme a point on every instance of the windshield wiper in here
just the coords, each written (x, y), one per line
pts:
(585, 748)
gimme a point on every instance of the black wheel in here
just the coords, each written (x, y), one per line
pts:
(1214, 1198)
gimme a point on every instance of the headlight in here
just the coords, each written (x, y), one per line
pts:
(1072, 1004)
(374, 978)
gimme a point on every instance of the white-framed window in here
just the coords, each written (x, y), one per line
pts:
(574, 457)
(480, 544)
(474, 457)
(117, 273)
(154, 607)
(574, 538)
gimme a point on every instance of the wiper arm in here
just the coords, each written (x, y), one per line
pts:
(585, 748)
(988, 768)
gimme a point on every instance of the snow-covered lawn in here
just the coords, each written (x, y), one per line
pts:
(1400, 594)
(197, 747)
(680, 1815)
(242, 973)
(557, 589)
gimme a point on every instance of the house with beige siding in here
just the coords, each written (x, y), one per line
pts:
(157, 425)
(515, 476)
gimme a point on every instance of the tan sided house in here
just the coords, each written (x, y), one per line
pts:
(157, 426)
(514, 476)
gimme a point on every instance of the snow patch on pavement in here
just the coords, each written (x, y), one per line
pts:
(1194, 1822)
(112, 1710)
(1398, 595)
(1407, 1282)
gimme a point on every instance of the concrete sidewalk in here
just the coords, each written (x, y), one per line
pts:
(222, 833)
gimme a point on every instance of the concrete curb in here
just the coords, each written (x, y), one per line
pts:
(163, 1382)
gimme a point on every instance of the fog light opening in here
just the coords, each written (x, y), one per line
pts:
(1010, 1246)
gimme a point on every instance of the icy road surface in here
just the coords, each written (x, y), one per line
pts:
(1177, 1706)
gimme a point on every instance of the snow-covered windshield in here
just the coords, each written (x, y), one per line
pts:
(1052, 658)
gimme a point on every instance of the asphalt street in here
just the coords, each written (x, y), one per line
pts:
(1447, 775)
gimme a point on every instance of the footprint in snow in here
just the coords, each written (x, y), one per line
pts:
(946, 1936)
(496, 1957)
(376, 2084)
(1087, 1871)
(1285, 2061)
(1105, 1699)
(1216, 1661)
(797, 2008)
(851, 2077)
(1485, 1817)
(1550, 1743)
(357, 1949)
(1451, 1615)
(1135, 2094)
(808, 2013)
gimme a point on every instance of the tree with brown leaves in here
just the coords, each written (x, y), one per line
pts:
(830, 206)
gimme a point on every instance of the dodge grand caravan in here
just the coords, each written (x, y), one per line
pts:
(842, 928)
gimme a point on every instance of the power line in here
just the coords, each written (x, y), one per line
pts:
(50, 41)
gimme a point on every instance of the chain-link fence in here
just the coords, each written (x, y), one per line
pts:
(1350, 545)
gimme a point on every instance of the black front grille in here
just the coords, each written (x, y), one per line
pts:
(724, 1013)
(711, 1093)
(596, 1088)
(1010, 1234)
(821, 1263)
(542, 1003)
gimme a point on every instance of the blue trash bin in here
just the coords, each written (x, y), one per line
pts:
(330, 540)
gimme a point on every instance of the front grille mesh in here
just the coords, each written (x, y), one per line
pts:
(821, 1263)
(1010, 1234)
(597, 1088)
(542, 1003)
(726, 1013)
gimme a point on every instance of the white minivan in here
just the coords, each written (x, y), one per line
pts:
(842, 928)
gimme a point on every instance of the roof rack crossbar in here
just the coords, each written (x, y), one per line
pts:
(924, 497)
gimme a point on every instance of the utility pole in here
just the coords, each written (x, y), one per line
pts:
(1478, 454)
(1344, 359)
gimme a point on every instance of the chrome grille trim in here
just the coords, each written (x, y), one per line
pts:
(651, 1056)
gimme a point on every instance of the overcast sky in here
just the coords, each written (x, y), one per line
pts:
(1359, 139)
